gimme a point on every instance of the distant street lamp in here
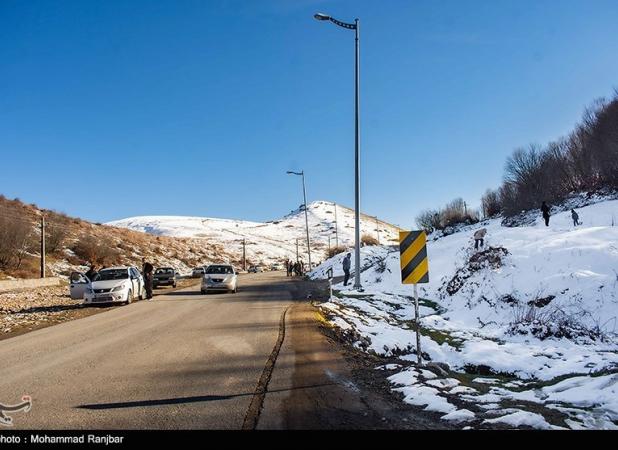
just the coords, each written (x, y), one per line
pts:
(377, 228)
(302, 174)
(356, 27)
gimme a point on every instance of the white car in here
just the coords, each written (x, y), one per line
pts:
(219, 277)
(198, 272)
(115, 285)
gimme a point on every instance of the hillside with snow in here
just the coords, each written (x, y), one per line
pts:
(528, 324)
(271, 241)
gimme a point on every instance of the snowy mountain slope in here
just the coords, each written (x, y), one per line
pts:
(539, 306)
(270, 241)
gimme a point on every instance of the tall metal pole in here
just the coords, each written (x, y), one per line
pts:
(306, 220)
(356, 27)
(378, 229)
(244, 254)
(297, 259)
(42, 246)
(357, 256)
(336, 228)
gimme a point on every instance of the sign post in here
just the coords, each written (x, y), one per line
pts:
(414, 269)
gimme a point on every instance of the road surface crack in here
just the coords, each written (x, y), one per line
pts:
(255, 407)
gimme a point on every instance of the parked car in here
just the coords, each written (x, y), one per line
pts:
(198, 272)
(165, 276)
(120, 284)
(255, 269)
(78, 283)
(220, 277)
(275, 267)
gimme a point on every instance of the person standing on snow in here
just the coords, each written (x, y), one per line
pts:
(346, 268)
(479, 237)
(545, 211)
(575, 218)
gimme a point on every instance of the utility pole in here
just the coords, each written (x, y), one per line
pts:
(329, 246)
(297, 258)
(244, 254)
(336, 228)
(42, 246)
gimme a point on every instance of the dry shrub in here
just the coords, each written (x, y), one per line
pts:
(336, 250)
(367, 239)
(97, 250)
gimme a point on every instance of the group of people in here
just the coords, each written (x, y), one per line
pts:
(294, 268)
(479, 235)
(545, 210)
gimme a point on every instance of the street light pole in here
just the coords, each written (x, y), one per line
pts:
(378, 229)
(356, 27)
(302, 174)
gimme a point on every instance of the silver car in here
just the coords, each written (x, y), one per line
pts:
(220, 277)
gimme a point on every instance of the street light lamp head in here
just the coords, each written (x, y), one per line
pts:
(320, 16)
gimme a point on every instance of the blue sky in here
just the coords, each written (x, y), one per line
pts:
(122, 108)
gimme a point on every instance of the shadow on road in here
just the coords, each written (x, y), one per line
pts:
(61, 308)
(180, 400)
(160, 402)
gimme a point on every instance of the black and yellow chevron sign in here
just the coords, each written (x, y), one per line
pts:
(413, 257)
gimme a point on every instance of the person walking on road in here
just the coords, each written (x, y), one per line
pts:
(148, 278)
(479, 237)
(575, 218)
(545, 211)
(346, 268)
(301, 267)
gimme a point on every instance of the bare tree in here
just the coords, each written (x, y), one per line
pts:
(15, 241)
(55, 236)
(490, 203)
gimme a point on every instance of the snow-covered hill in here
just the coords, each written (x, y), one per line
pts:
(536, 310)
(270, 241)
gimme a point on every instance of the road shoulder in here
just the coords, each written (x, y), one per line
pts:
(320, 383)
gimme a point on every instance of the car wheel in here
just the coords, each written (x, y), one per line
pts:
(129, 297)
(174, 285)
(203, 292)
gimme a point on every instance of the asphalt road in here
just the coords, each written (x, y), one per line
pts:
(192, 361)
(181, 361)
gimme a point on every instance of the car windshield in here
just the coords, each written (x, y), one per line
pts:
(164, 270)
(112, 274)
(219, 270)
